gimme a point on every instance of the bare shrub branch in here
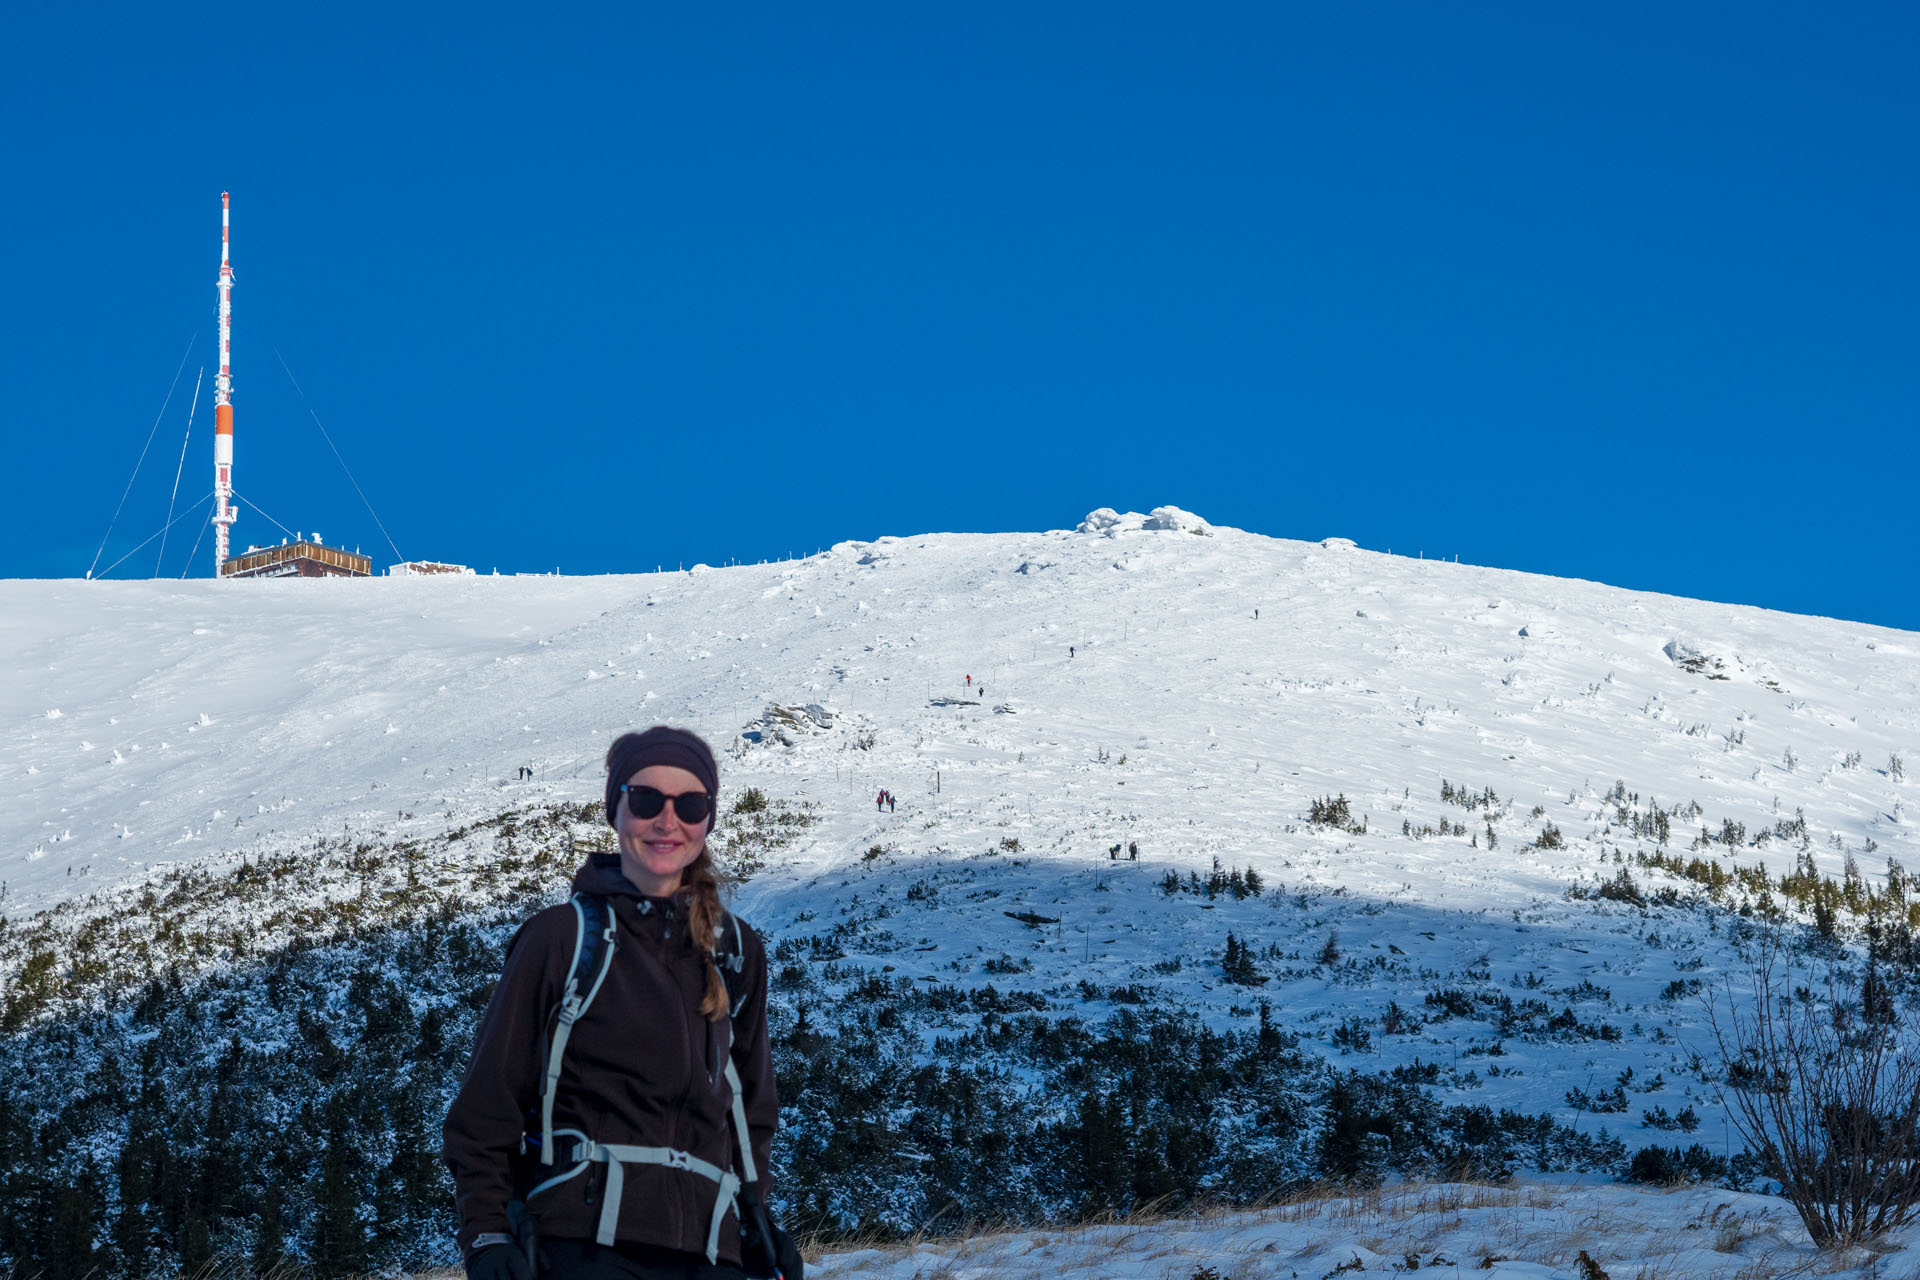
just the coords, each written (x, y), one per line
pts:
(1822, 1079)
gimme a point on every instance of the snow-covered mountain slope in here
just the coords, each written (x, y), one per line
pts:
(1034, 701)
(158, 723)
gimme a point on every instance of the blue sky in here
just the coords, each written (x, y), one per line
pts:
(1626, 293)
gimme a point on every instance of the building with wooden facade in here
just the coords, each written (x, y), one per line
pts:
(301, 558)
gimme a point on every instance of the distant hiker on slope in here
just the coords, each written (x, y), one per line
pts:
(880, 801)
(618, 1111)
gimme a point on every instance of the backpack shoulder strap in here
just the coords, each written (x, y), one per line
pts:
(730, 958)
(593, 948)
(748, 1174)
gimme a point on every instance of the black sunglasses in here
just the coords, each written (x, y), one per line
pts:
(690, 807)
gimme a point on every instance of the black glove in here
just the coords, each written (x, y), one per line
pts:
(498, 1262)
(759, 1256)
(765, 1250)
(792, 1265)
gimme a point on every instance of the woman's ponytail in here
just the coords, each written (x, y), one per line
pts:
(706, 913)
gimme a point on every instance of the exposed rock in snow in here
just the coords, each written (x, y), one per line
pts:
(1173, 519)
(781, 723)
(1105, 520)
(1720, 663)
(1689, 655)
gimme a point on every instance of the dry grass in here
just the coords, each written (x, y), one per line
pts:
(1413, 1225)
(1634, 1234)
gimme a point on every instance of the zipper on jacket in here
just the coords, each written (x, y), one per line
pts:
(686, 1200)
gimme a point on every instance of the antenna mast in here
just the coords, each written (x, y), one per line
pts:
(223, 513)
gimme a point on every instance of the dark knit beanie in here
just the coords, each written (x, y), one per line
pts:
(632, 752)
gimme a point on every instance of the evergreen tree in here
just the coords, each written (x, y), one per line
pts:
(339, 1239)
(1353, 1144)
(1237, 965)
(1101, 1149)
(75, 1218)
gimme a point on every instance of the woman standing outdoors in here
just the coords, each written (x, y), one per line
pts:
(631, 1167)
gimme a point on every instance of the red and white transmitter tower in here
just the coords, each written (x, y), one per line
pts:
(223, 513)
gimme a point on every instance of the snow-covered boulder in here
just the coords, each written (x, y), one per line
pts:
(781, 723)
(1679, 651)
(1105, 520)
(1694, 656)
(1174, 520)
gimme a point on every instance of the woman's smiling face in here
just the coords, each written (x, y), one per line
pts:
(655, 851)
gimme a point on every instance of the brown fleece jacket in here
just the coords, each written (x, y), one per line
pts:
(643, 1067)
